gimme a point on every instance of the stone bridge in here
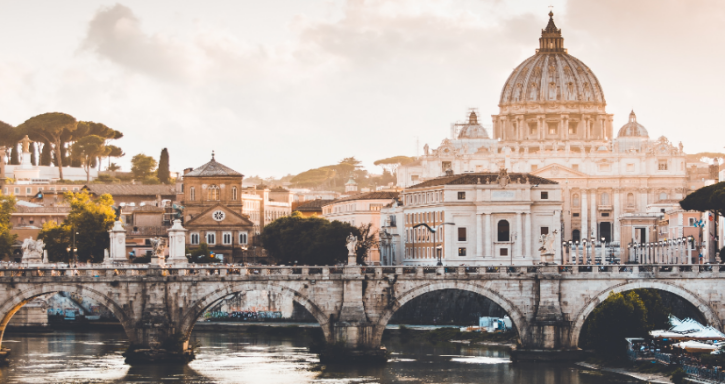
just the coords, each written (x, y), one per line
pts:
(548, 305)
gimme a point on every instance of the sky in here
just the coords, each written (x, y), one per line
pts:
(278, 87)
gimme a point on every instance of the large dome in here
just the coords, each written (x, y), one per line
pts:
(552, 75)
(632, 128)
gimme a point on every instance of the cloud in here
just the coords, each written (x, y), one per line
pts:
(115, 34)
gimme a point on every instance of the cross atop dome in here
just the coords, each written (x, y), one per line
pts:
(551, 39)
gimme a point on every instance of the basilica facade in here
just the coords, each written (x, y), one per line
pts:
(553, 123)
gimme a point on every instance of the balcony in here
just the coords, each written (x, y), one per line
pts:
(605, 207)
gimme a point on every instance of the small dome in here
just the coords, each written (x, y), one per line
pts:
(632, 128)
(473, 130)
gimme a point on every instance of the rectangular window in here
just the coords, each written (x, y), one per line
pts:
(28, 191)
(503, 251)
(194, 238)
(461, 195)
(544, 230)
(461, 251)
(461, 234)
(605, 214)
(544, 195)
(662, 165)
(227, 238)
(534, 167)
(575, 167)
(604, 167)
(211, 238)
(243, 238)
(572, 128)
(17, 191)
(575, 214)
(630, 167)
(445, 165)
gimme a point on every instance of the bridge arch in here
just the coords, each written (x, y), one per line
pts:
(198, 308)
(691, 297)
(517, 318)
(9, 307)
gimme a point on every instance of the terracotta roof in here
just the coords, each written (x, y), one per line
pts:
(131, 189)
(367, 196)
(313, 205)
(213, 168)
(480, 178)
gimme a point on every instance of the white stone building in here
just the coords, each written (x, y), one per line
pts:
(553, 123)
(474, 219)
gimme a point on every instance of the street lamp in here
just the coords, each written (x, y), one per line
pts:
(585, 253)
(439, 250)
(604, 249)
(576, 252)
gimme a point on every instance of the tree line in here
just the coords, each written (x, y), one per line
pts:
(335, 176)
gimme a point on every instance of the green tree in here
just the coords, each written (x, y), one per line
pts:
(307, 241)
(57, 239)
(142, 166)
(163, 172)
(658, 315)
(391, 164)
(366, 241)
(50, 127)
(45, 154)
(7, 207)
(706, 199)
(114, 152)
(113, 167)
(14, 158)
(33, 159)
(90, 219)
(87, 150)
(620, 316)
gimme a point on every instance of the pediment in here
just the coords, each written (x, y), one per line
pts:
(557, 171)
(230, 218)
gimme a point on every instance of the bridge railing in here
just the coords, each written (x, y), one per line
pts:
(589, 271)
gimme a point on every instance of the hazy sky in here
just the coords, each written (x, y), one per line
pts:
(277, 87)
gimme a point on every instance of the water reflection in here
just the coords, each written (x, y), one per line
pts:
(59, 357)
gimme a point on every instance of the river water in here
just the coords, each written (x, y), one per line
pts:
(233, 357)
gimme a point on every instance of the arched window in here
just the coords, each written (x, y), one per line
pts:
(605, 198)
(630, 199)
(575, 235)
(234, 193)
(192, 193)
(213, 192)
(663, 196)
(575, 200)
(503, 230)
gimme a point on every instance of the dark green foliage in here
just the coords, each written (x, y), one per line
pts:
(202, 255)
(307, 241)
(142, 166)
(57, 238)
(45, 154)
(657, 313)
(51, 128)
(7, 207)
(163, 173)
(678, 377)
(14, 158)
(706, 199)
(620, 316)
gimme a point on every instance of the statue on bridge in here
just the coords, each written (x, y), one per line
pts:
(547, 248)
(32, 251)
(158, 257)
(351, 247)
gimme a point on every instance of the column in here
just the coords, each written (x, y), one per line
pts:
(479, 235)
(488, 231)
(584, 216)
(593, 197)
(519, 235)
(527, 238)
(117, 244)
(557, 238)
(177, 245)
(615, 222)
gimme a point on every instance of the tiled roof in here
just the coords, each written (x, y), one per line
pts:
(481, 178)
(143, 208)
(367, 196)
(313, 205)
(213, 168)
(131, 189)
(23, 209)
